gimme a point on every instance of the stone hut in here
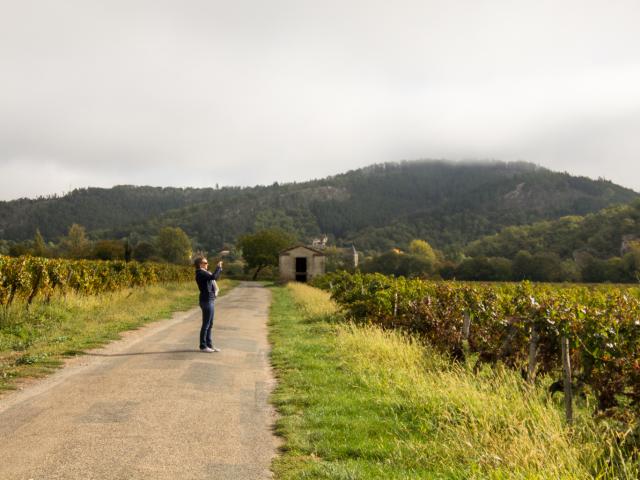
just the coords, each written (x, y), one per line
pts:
(301, 264)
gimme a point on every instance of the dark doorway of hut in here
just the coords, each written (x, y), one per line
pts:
(301, 269)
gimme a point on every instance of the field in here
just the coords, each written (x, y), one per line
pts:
(360, 400)
(587, 338)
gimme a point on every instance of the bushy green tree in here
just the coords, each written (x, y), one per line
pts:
(484, 268)
(594, 270)
(19, 249)
(421, 248)
(145, 251)
(339, 259)
(399, 264)
(522, 265)
(174, 245)
(108, 250)
(39, 246)
(4, 247)
(75, 244)
(631, 263)
(261, 249)
(541, 267)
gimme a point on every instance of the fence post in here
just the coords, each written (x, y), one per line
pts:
(466, 326)
(566, 370)
(395, 299)
(533, 351)
(466, 333)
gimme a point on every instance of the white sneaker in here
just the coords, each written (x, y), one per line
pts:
(207, 350)
(215, 349)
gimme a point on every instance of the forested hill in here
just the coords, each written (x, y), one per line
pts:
(604, 234)
(94, 208)
(383, 206)
(378, 207)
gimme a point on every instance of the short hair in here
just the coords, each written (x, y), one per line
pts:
(197, 262)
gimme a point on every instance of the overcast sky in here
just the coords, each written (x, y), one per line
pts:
(199, 92)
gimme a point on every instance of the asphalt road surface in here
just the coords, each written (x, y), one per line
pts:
(152, 406)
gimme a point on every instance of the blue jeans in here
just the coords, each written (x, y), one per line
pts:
(207, 324)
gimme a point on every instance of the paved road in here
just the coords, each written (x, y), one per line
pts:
(152, 406)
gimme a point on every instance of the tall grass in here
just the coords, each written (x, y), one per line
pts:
(360, 402)
(313, 302)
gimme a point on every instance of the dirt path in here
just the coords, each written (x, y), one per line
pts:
(152, 405)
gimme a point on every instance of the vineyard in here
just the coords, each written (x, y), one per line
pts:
(586, 338)
(28, 278)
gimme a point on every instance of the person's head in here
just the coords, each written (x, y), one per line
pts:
(200, 262)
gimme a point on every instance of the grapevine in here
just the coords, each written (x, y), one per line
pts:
(513, 324)
(28, 278)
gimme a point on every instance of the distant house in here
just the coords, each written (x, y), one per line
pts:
(301, 264)
(320, 243)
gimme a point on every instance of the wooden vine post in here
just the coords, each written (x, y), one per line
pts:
(566, 370)
(466, 333)
(533, 351)
(395, 299)
(466, 326)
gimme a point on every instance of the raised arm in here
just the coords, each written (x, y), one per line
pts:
(217, 272)
(211, 276)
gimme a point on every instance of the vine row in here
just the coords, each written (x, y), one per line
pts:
(523, 326)
(26, 278)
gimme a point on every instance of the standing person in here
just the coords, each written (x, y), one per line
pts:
(208, 291)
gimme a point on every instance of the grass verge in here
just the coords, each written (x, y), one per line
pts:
(34, 341)
(359, 403)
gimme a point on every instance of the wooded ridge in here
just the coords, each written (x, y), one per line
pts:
(378, 207)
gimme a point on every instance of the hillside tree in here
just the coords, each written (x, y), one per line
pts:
(39, 246)
(75, 244)
(261, 249)
(108, 250)
(174, 245)
(145, 251)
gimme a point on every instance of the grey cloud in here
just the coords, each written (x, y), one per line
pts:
(198, 92)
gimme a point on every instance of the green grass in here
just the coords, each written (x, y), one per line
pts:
(359, 403)
(35, 341)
